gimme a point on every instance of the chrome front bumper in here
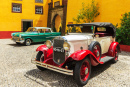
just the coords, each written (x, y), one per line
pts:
(54, 68)
(17, 40)
(21, 41)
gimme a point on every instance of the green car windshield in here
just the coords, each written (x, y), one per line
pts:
(31, 30)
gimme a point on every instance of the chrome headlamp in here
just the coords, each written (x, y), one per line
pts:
(48, 43)
(66, 46)
(19, 36)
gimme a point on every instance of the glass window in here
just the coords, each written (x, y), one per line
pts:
(17, 8)
(38, 9)
(57, 3)
(79, 29)
(47, 31)
(101, 29)
(44, 30)
(31, 29)
(39, 1)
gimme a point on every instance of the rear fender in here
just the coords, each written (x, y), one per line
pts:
(112, 48)
(81, 54)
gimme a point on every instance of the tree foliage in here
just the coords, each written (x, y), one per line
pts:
(123, 32)
(87, 13)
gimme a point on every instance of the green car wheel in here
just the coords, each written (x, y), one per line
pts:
(28, 42)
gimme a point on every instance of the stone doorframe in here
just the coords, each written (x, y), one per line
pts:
(54, 15)
(53, 12)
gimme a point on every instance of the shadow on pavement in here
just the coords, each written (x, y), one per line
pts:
(52, 78)
(96, 70)
(20, 45)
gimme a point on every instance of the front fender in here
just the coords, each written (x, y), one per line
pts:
(81, 54)
(42, 48)
(48, 53)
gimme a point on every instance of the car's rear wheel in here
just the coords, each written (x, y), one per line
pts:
(96, 49)
(28, 42)
(40, 58)
(116, 54)
(82, 71)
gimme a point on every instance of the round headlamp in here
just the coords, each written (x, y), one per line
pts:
(48, 43)
(20, 36)
(66, 46)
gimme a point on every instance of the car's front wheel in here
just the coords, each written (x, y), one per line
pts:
(40, 58)
(28, 42)
(82, 71)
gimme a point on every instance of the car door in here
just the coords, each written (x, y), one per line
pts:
(48, 34)
(41, 35)
(104, 42)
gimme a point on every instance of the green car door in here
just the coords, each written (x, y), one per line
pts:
(49, 35)
(46, 34)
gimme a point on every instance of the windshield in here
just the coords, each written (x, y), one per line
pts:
(44, 30)
(31, 29)
(80, 29)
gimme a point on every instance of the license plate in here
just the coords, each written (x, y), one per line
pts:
(59, 50)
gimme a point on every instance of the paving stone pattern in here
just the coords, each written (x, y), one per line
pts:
(16, 70)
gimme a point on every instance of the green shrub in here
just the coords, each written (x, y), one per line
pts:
(87, 13)
(123, 32)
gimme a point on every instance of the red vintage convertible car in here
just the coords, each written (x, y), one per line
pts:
(85, 45)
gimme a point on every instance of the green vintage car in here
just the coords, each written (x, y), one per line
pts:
(34, 34)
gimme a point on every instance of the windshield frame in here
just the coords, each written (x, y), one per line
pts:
(30, 28)
(81, 28)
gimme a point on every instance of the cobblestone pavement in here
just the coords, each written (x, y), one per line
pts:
(16, 70)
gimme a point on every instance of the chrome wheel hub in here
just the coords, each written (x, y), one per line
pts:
(97, 53)
(28, 42)
(86, 71)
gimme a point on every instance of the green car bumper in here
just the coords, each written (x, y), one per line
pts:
(18, 39)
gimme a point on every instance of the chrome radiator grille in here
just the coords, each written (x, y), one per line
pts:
(58, 51)
(15, 38)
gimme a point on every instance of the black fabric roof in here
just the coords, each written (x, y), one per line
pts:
(98, 24)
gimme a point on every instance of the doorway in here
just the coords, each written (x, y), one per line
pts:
(56, 23)
(26, 24)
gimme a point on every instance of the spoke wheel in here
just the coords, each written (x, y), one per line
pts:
(28, 42)
(97, 51)
(95, 48)
(82, 71)
(40, 58)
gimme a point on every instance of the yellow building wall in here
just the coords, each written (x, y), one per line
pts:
(10, 21)
(110, 10)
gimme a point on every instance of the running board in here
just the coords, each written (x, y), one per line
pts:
(106, 59)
